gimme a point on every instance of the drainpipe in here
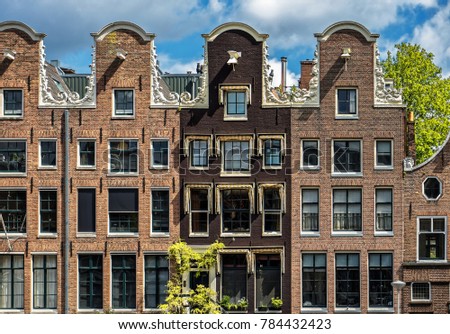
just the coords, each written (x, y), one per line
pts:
(283, 73)
(66, 211)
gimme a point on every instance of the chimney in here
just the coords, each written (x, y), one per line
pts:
(305, 73)
(410, 137)
(283, 73)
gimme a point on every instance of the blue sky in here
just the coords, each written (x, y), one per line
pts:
(178, 25)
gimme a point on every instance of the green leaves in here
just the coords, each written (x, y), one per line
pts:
(425, 93)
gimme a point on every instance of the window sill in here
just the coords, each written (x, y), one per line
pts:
(310, 168)
(310, 234)
(122, 235)
(432, 261)
(235, 174)
(90, 311)
(235, 235)
(123, 117)
(314, 310)
(384, 234)
(12, 235)
(122, 174)
(380, 310)
(420, 302)
(198, 235)
(160, 235)
(47, 236)
(334, 174)
(347, 310)
(45, 311)
(384, 168)
(13, 174)
(47, 168)
(86, 235)
(123, 310)
(348, 117)
(235, 119)
(11, 311)
(346, 234)
(272, 167)
(159, 168)
(86, 167)
(272, 234)
(198, 168)
(11, 118)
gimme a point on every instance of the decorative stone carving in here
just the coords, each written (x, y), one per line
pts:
(384, 96)
(165, 99)
(65, 99)
(408, 163)
(296, 97)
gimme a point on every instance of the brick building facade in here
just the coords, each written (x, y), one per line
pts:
(305, 188)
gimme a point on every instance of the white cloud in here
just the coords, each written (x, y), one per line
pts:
(291, 78)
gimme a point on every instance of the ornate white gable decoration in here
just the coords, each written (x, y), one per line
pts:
(296, 97)
(65, 99)
(384, 97)
(164, 99)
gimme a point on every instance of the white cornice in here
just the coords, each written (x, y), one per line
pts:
(343, 25)
(235, 26)
(35, 36)
(125, 25)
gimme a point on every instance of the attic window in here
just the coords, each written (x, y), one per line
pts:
(59, 86)
(235, 100)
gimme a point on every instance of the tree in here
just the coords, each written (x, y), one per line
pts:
(425, 92)
(202, 299)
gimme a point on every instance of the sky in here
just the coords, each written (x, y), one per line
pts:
(178, 25)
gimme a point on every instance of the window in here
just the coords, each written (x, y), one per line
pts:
(13, 156)
(347, 157)
(11, 282)
(47, 149)
(347, 210)
(236, 156)
(234, 277)
(236, 104)
(420, 292)
(12, 103)
(268, 279)
(272, 153)
(123, 156)
(123, 210)
(86, 153)
(123, 281)
(123, 103)
(347, 102)
(160, 211)
(47, 207)
(272, 211)
(44, 282)
(199, 153)
(90, 281)
(383, 198)
(383, 154)
(235, 211)
(432, 188)
(13, 210)
(380, 279)
(197, 278)
(86, 210)
(310, 210)
(314, 280)
(156, 278)
(199, 211)
(432, 238)
(310, 154)
(347, 280)
(160, 153)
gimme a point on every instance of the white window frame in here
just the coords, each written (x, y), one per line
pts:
(49, 234)
(445, 238)
(42, 140)
(223, 154)
(15, 310)
(2, 234)
(306, 309)
(381, 232)
(122, 234)
(111, 173)
(279, 213)
(120, 310)
(82, 140)
(342, 309)
(440, 189)
(152, 253)
(191, 154)
(309, 233)
(46, 310)
(302, 162)
(421, 300)
(188, 207)
(346, 116)
(381, 167)
(152, 163)
(159, 234)
(361, 160)
(238, 88)
(375, 309)
(2, 104)
(345, 233)
(3, 174)
(114, 115)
